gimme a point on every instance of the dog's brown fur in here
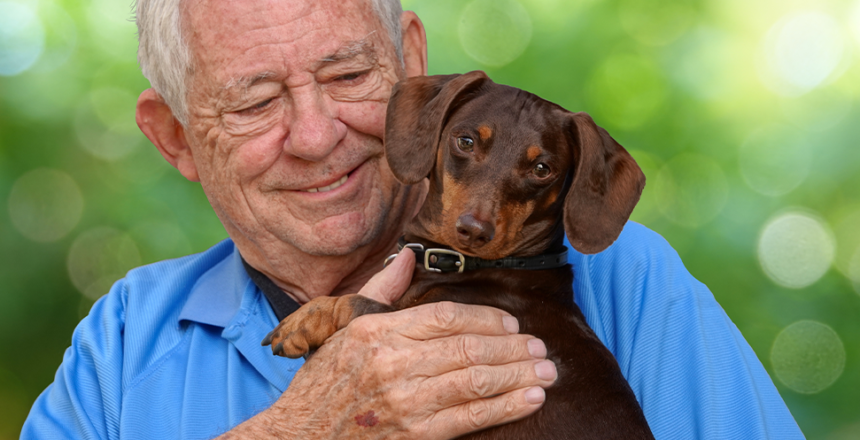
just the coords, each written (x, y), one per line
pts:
(491, 199)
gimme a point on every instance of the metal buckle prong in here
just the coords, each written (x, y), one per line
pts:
(416, 247)
(432, 252)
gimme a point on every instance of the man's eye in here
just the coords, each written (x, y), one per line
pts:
(351, 76)
(258, 106)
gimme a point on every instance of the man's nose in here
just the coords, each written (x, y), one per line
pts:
(314, 127)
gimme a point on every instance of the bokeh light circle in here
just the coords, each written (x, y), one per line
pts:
(628, 89)
(847, 232)
(775, 160)
(855, 21)
(495, 32)
(691, 190)
(808, 356)
(160, 240)
(105, 124)
(795, 249)
(142, 166)
(98, 258)
(854, 270)
(111, 27)
(558, 15)
(647, 208)
(61, 37)
(22, 38)
(818, 110)
(802, 51)
(656, 22)
(849, 432)
(45, 204)
(702, 63)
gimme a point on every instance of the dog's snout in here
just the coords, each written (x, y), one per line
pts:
(472, 232)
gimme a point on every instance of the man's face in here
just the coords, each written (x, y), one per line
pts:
(286, 115)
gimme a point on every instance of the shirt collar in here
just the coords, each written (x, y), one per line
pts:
(225, 297)
(217, 295)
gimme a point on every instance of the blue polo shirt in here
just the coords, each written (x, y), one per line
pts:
(173, 351)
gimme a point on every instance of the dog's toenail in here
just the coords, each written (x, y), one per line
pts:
(268, 339)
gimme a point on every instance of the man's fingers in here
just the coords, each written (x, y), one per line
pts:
(391, 283)
(471, 350)
(484, 413)
(442, 319)
(483, 381)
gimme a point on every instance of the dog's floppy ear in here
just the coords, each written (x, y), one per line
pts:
(606, 185)
(417, 112)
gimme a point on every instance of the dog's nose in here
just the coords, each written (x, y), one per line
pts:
(473, 232)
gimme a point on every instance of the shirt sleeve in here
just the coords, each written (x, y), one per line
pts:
(85, 399)
(691, 369)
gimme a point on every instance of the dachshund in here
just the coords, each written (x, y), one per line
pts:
(509, 174)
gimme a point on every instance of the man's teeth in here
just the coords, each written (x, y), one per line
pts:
(330, 187)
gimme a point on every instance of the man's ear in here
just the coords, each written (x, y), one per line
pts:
(156, 121)
(414, 44)
(606, 185)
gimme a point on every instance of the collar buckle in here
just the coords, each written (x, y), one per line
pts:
(418, 248)
(444, 260)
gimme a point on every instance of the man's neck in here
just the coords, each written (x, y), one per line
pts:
(312, 276)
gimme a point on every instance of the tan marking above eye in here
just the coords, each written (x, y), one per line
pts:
(533, 152)
(485, 132)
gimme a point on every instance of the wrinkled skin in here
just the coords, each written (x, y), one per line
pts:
(269, 118)
(290, 95)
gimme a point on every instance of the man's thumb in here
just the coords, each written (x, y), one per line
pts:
(389, 285)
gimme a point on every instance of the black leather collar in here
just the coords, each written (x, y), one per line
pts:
(447, 260)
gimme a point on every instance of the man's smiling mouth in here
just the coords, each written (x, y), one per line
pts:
(329, 187)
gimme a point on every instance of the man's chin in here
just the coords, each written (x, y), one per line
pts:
(337, 237)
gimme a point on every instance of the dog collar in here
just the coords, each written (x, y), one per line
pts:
(447, 260)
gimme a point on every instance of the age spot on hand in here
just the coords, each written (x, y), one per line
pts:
(368, 419)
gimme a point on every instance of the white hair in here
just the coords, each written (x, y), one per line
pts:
(165, 58)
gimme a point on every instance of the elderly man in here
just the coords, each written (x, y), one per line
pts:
(276, 107)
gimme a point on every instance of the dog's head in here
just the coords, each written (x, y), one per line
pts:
(505, 167)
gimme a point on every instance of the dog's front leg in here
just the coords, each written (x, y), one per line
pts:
(307, 328)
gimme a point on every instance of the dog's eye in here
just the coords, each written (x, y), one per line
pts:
(466, 144)
(541, 170)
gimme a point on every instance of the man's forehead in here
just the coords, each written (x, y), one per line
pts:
(238, 44)
(218, 20)
(353, 49)
(363, 50)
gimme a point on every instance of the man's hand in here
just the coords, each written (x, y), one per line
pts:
(435, 371)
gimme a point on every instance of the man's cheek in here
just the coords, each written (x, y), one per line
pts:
(249, 156)
(366, 117)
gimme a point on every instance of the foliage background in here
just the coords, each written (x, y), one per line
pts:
(743, 115)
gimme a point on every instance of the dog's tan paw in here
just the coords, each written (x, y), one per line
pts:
(306, 329)
(289, 339)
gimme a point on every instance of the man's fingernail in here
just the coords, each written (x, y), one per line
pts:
(537, 348)
(545, 370)
(511, 324)
(535, 395)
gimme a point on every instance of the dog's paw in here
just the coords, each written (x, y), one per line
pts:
(304, 330)
(289, 339)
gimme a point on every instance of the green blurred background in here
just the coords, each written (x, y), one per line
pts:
(743, 115)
